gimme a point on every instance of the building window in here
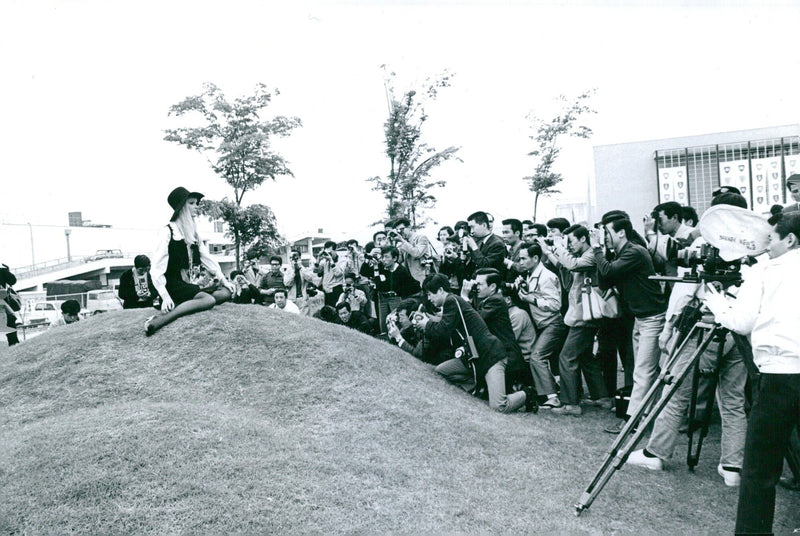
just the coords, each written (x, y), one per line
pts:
(757, 168)
(219, 227)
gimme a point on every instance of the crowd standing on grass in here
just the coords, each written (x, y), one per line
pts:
(538, 315)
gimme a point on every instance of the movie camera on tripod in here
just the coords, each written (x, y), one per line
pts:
(733, 236)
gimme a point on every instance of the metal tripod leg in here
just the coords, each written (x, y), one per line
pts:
(702, 424)
(618, 452)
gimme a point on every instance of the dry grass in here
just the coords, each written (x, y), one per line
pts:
(246, 420)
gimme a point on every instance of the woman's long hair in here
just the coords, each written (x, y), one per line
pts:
(185, 224)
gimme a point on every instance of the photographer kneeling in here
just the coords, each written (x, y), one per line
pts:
(411, 338)
(490, 363)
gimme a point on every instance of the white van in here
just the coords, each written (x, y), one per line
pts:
(102, 300)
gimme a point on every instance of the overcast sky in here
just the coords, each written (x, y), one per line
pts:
(87, 86)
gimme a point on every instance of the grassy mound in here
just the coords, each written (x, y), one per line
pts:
(248, 420)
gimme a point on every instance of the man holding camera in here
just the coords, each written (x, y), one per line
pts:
(354, 296)
(453, 266)
(244, 292)
(415, 249)
(136, 288)
(577, 260)
(666, 234)
(512, 236)
(332, 272)
(393, 277)
(484, 249)
(766, 309)
(540, 289)
(630, 273)
(300, 282)
(494, 311)
(412, 339)
(271, 281)
(489, 365)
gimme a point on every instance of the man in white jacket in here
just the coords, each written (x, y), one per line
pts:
(767, 309)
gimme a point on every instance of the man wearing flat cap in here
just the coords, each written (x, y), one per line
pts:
(793, 185)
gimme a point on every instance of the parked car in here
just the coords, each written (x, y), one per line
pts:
(42, 312)
(100, 301)
(104, 254)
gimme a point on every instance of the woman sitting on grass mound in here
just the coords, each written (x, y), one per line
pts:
(182, 268)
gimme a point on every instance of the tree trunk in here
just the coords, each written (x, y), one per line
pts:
(237, 240)
(535, 205)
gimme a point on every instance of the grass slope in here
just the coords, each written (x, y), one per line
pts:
(247, 420)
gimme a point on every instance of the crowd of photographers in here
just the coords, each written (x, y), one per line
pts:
(535, 315)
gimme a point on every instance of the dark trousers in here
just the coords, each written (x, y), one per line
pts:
(615, 336)
(793, 454)
(11, 321)
(775, 414)
(333, 296)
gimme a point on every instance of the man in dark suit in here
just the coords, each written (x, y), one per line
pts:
(136, 288)
(494, 311)
(485, 249)
(490, 365)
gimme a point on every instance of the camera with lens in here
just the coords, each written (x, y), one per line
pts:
(654, 215)
(473, 294)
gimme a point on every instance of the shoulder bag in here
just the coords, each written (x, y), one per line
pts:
(597, 304)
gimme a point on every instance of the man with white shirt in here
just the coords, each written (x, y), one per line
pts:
(766, 309)
(541, 290)
(282, 303)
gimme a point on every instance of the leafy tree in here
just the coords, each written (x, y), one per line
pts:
(253, 227)
(547, 137)
(239, 139)
(407, 188)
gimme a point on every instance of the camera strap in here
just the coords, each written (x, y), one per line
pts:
(473, 350)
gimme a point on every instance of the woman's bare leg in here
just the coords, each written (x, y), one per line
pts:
(222, 295)
(201, 302)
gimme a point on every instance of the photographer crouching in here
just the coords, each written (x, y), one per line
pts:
(766, 309)
(472, 366)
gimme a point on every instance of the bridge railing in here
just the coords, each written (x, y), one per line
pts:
(40, 268)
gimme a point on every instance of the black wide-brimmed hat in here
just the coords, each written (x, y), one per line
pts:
(177, 198)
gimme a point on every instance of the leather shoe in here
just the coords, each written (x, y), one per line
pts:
(567, 409)
(617, 427)
(531, 405)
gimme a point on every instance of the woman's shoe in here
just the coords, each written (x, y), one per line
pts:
(148, 328)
